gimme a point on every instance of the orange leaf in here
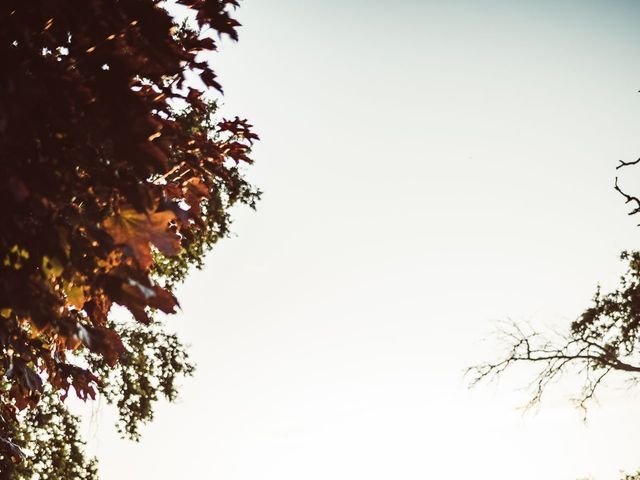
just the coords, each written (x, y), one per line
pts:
(138, 230)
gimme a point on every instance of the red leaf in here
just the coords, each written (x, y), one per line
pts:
(138, 230)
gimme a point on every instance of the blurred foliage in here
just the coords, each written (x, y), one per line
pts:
(152, 362)
(53, 448)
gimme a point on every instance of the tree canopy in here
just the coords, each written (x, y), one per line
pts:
(115, 177)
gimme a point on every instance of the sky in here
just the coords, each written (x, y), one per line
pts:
(429, 170)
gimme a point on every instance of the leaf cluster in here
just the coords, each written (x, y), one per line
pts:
(108, 195)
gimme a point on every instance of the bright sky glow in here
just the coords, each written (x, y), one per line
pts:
(429, 168)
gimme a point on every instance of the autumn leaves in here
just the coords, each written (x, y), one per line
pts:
(106, 189)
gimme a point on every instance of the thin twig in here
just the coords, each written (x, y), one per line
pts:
(626, 164)
(629, 198)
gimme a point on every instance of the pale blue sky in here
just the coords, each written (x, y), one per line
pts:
(429, 168)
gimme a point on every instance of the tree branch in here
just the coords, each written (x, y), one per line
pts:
(597, 359)
(628, 198)
(626, 164)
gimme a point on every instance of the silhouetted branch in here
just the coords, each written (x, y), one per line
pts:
(628, 198)
(605, 338)
(626, 164)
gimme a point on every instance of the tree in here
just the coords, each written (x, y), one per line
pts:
(115, 178)
(603, 340)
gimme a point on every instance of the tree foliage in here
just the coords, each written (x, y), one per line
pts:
(53, 445)
(115, 178)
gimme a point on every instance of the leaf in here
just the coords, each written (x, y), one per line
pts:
(138, 230)
(75, 294)
(139, 296)
(102, 341)
(194, 191)
(136, 292)
(83, 381)
(27, 384)
(98, 309)
(25, 376)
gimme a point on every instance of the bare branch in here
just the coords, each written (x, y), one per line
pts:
(605, 338)
(628, 198)
(626, 164)
(589, 390)
(579, 352)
